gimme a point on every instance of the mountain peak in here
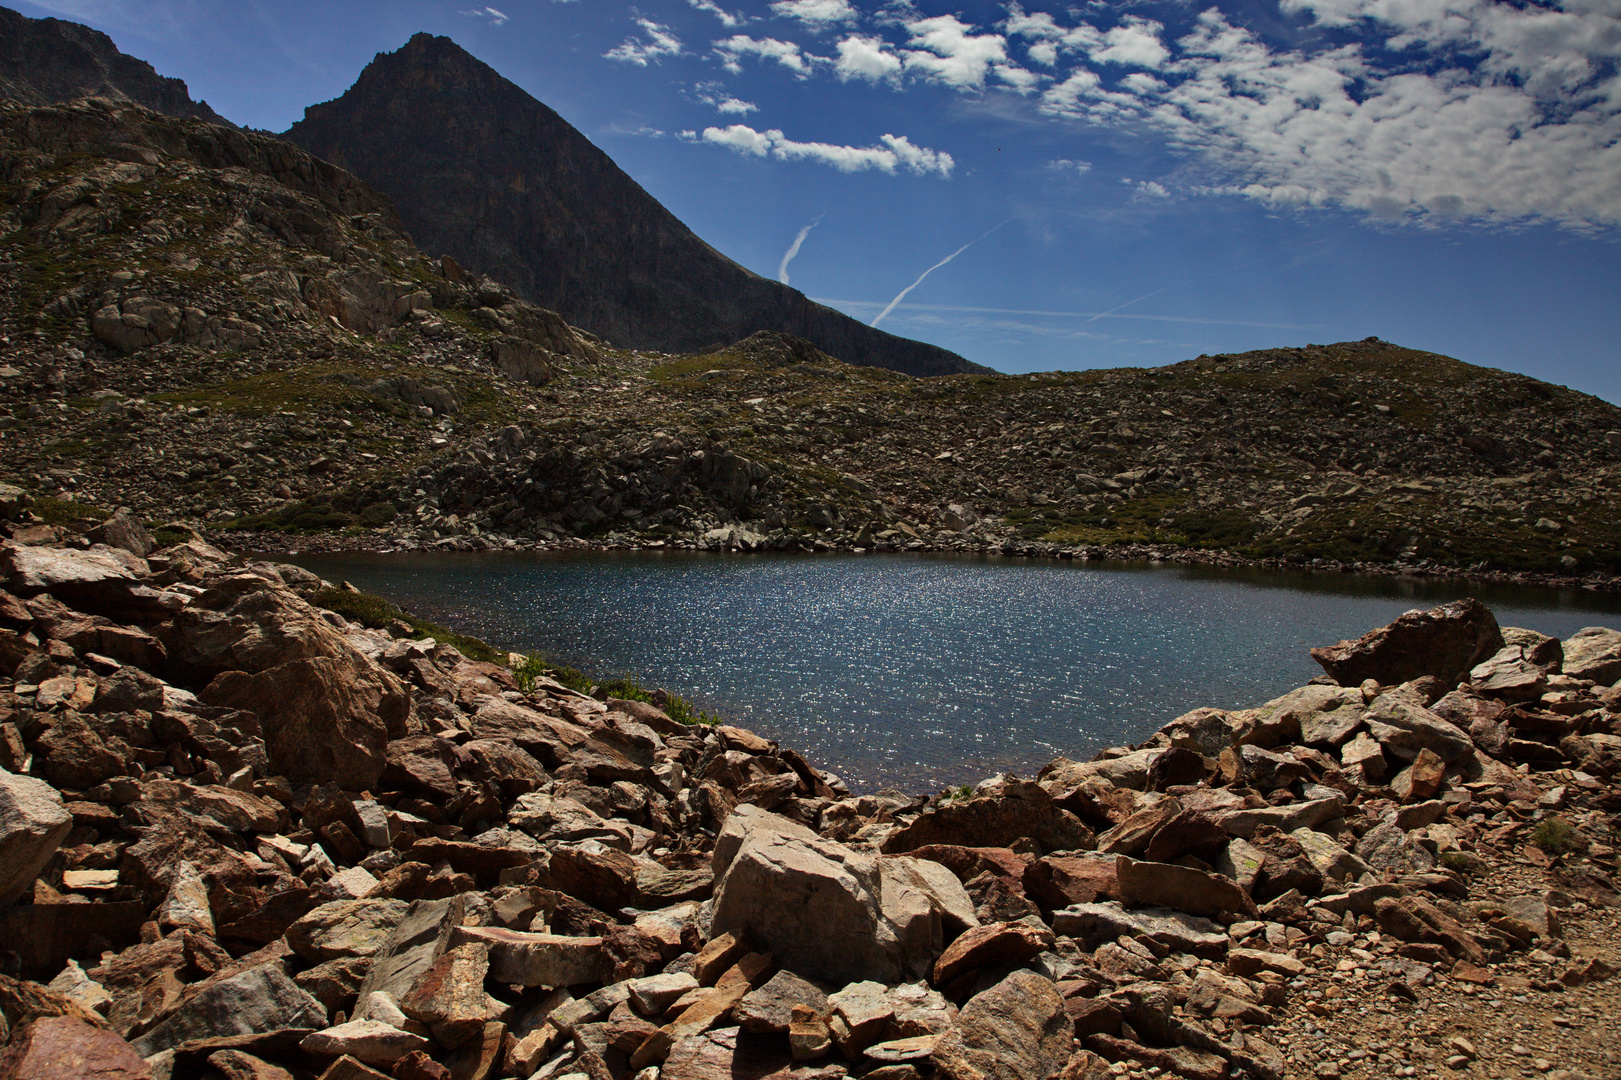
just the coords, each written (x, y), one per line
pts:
(482, 171)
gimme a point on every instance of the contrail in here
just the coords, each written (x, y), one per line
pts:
(1219, 273)
(793, 249)
(902, 294)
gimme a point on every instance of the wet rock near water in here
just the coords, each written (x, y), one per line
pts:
(251, 838)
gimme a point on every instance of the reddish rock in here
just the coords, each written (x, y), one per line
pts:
(63, 1048)
(1057, 881)
(1412, 919)
(987, 946)
(1444, 642)
(1182, 888)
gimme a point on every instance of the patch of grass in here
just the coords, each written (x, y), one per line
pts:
(376, 612)
(676, 707)
(69, 515)
(1554, 835)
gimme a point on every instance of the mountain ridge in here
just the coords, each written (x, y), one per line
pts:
(449, 140)
(79, 61)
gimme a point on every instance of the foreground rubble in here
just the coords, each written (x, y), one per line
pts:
(243, 838)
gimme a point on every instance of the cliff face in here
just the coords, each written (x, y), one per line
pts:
(45, 61)
(484, 172)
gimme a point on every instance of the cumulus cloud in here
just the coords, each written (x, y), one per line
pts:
(816, 14)
(868, 58)
(1069, 165)
(497, 18)
(727, 19)
(944, 49)
(1487, 142)
(732, 50)
(657, 41)
(1403, 109)
(894, 152)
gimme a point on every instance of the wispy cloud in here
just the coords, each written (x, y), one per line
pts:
(715, 96)
(793, 250)
(657, 41)
(894, 152)
(1089, 316)
(727, 19)
(497, 18)
(902, 294)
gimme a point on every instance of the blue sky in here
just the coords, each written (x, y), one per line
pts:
(1093, 185)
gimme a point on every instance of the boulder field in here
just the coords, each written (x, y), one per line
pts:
(243, 838)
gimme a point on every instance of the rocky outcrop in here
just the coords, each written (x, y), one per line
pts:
(485, 173)
(232, 854)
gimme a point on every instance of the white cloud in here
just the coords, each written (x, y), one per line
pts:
(1146, 189)
(896, 151)
(1332, 129)
(1066, 165)
(727, 19)
(868, 58)
(497, 18)
(816, 14)
(1489, 109)
(944, 50)
(732, 50)
(1134, 42)
(658, 42)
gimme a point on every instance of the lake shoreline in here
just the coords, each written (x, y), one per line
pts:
(269, 543)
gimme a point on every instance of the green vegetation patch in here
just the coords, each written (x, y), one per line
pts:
(378, 613)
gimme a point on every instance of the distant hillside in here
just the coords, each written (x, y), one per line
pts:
(44, 61)
(484, 172)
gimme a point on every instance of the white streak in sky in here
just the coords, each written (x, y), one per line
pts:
(793, 249)
(902, 294)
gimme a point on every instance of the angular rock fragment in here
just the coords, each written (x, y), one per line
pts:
(1015, 1030)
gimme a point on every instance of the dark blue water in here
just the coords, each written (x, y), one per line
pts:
(923, 671)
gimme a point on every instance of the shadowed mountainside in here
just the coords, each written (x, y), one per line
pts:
(45, 61)
(485, 173)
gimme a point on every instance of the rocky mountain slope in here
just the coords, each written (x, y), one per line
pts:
(44, 61)
(214, 325)
(484, 172)
(246, 837)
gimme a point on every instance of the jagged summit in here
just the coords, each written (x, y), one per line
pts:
(484, 172)
(46, 61)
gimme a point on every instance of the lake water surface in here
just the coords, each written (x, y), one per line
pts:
(919, 671)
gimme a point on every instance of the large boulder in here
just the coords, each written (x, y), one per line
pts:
(1404, 727)
(33, 823)
(1445, 642)
(1593, 653)
(824, 910)
(257, 1001)
(1323, 715)
(1021, 811)
(326, 719)
(1016, 1030)
(66, 1048)
(97, 580)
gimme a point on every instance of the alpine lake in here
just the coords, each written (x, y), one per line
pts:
(918, 672)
